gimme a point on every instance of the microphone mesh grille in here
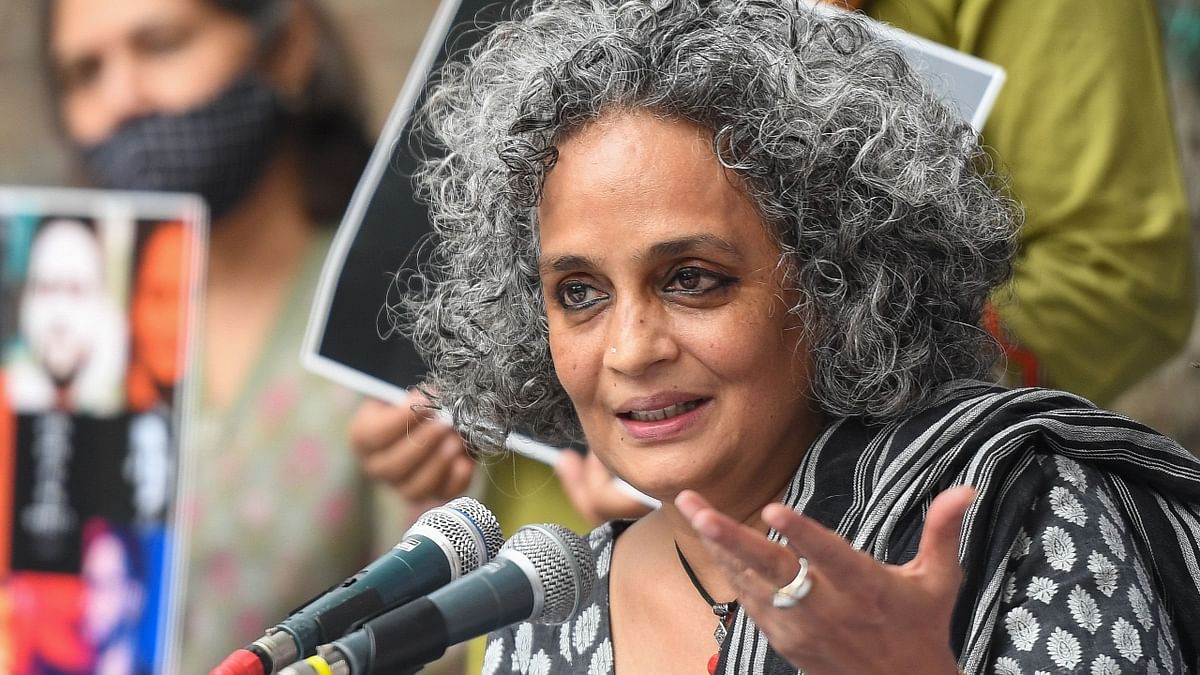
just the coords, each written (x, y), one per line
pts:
(451, 522)
(563, 561)
(493, 536)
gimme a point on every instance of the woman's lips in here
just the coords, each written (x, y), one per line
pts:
(665, 423)
(662, 413)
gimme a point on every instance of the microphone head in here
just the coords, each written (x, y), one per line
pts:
(466, 530)
(484, 520)
(564, 565)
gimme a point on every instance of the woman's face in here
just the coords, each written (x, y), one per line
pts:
(668, 319)
(119, 59)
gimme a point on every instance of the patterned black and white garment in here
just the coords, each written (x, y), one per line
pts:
(1080, 552)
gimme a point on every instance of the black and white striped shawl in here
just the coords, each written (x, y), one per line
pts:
(875, 484)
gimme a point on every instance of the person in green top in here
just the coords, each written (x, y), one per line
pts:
(1104, 289)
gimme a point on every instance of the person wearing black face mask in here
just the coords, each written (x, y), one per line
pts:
(218, 149)
(254, 105)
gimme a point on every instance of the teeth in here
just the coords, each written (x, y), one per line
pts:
(662, 413)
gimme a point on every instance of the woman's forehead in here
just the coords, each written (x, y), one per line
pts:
(83, 25)
(642, 181)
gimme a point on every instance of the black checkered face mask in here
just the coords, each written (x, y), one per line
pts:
(218, 149)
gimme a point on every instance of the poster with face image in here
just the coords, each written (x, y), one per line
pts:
(96, 297)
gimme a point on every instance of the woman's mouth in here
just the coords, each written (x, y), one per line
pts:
(666, 423)
(662, 413)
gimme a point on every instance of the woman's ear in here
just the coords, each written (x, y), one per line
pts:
(293, 57)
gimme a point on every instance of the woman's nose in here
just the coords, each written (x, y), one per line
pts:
(639, 338)
(123, 94)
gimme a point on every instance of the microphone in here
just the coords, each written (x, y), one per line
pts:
(544, 573)
(442, 545)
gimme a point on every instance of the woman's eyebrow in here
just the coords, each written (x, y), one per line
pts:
(664, 249)
(566, 263)
(684, 245)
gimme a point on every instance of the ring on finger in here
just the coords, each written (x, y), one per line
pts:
(795, 590)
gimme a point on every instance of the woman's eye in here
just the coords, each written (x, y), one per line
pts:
(694, 280)
(78, 74)
(164, 39)
(577, 295)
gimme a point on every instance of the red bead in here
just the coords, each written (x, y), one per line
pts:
(712, 663)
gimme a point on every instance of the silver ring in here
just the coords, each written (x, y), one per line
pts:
(795, 590)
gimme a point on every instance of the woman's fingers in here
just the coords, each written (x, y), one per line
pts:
(376, 425)
(937, 554)
(408, 447)
(856, 616)
(430, 477)
(399, 460)
(824, 548)
(750, 560)
(572, 474)
(460, 476)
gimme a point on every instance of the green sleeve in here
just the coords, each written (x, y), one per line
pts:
(1103, 291)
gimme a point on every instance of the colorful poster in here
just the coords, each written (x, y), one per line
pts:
(96, 293)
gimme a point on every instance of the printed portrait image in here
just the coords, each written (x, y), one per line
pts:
(69, 353)
(156, 317)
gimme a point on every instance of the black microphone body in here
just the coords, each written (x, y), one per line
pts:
(443, 544)
(544, 573)
(415, 566)
(496, 595)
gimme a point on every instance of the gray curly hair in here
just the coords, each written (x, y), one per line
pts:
(877, 193)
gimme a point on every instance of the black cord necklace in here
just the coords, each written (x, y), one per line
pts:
(724, 611)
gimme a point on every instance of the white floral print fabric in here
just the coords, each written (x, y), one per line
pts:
(581, 645)
(1079, 602)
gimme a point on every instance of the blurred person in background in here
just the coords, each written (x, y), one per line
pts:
(253, 104)
(1104, 290)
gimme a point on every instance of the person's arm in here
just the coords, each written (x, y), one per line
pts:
(1103, 291)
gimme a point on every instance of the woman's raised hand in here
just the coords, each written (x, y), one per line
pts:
(859, 615)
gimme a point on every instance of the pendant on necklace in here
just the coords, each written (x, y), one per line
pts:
(721, 610)
(719, 634)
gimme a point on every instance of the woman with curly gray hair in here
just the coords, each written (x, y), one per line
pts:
(741, 252)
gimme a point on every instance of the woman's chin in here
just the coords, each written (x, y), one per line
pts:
(663, 485)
